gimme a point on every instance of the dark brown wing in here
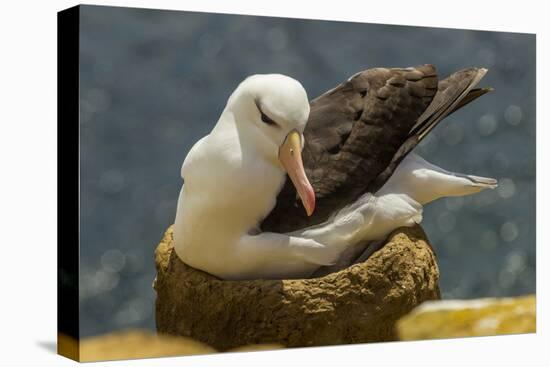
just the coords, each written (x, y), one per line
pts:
(352, 135)
(454, 92)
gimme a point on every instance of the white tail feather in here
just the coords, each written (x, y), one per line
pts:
(426, 182)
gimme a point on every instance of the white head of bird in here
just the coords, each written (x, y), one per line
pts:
(270, 112)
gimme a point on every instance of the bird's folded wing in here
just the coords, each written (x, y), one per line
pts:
(453, 92)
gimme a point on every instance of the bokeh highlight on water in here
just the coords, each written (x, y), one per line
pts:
(153, 82)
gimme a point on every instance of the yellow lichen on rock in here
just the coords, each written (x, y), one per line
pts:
(138, 344)
(482, 317)
(134, 344)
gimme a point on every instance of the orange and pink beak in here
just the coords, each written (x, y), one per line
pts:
(290, 156)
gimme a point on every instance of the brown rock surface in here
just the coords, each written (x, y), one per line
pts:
(359, 304)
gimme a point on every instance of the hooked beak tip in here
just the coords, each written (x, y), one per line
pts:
(310, 203)
(290, 156)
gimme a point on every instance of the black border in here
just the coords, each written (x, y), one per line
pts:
(68, 172)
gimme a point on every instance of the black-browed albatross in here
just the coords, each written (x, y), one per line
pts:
(239, 217)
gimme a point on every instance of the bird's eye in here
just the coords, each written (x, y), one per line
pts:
(266, 119)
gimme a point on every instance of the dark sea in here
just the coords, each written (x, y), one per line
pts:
(153, 82)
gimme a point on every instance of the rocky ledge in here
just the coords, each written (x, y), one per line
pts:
(136, 343)
(478, 317)
(361, 303)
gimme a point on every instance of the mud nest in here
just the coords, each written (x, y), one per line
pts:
(356, 305)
